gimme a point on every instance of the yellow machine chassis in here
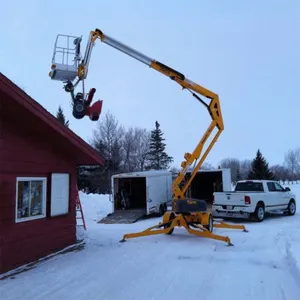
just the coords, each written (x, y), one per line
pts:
(198, 220)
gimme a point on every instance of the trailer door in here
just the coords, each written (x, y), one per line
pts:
(226, 178)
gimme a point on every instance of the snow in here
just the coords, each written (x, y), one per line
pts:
(263, 264)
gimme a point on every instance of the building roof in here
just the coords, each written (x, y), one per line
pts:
(19, 101)
(150, 173)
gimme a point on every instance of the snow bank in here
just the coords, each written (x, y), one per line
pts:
(95, 206)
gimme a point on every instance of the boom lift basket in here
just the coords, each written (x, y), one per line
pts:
(66, 58)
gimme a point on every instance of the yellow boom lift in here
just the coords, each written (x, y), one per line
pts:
(191, 214)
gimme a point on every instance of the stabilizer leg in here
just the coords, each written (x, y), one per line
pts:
(167, 227)
(203, 232)
(222, 224)
(162, 228)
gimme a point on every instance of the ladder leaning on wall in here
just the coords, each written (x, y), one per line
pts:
(79, 210)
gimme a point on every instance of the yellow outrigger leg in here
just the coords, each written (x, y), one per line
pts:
(170, 221)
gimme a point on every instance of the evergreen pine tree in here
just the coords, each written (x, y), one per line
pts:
(157, 157)
(61, 117)
(260, 168)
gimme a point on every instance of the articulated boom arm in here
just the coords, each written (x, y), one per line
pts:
(179, 186)
(192, 215)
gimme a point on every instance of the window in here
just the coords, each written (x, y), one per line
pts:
(60, 187)
(30, 198)
(275, 187)
(249, 186)
(278, 187)
(271, 187)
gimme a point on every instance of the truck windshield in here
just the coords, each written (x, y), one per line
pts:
(249, 186)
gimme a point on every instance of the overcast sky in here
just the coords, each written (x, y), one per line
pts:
(248, 52)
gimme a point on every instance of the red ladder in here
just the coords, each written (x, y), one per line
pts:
(79, 209)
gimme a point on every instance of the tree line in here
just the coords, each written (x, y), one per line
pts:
(138, 149)
(124, 150)
(258, 168)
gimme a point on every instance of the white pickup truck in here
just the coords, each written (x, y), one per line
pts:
(254, 198)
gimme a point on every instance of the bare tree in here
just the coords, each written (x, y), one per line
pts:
(245, 168)
(135, 148)
(234, 165)
(108, 131)
(129, 148)
(204, 166)
(281, 173)
(142, 137)
(174, 170)
(108, 138)
(292, 162)
(207, 166)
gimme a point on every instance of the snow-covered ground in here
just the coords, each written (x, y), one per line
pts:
(263, 264)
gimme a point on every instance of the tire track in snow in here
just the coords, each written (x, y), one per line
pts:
(284, 247)
(265, 266)
(293, 264)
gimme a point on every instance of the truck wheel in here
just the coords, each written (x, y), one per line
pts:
(259, 213)
(292, 207)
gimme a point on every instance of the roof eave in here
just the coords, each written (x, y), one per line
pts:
(38, 110)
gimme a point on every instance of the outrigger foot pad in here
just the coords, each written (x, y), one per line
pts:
(122, 241)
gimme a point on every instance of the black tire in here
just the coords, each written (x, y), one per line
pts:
(291, 207)
(165, 207)
(161, 210)
(210, 226)
(69, 87)
(79, 109)
(172, 216)
(259, 213)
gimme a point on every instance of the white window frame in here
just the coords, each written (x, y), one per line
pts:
(44, 199)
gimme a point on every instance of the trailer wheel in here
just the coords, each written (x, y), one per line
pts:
(162, 209)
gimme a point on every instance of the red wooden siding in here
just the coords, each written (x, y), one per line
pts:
(25, 156)
(34, 144)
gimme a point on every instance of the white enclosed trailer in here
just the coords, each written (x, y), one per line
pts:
(148, 193)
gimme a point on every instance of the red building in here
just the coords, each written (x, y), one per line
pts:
(38, 160)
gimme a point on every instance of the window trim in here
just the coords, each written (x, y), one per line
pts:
(44, 199)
